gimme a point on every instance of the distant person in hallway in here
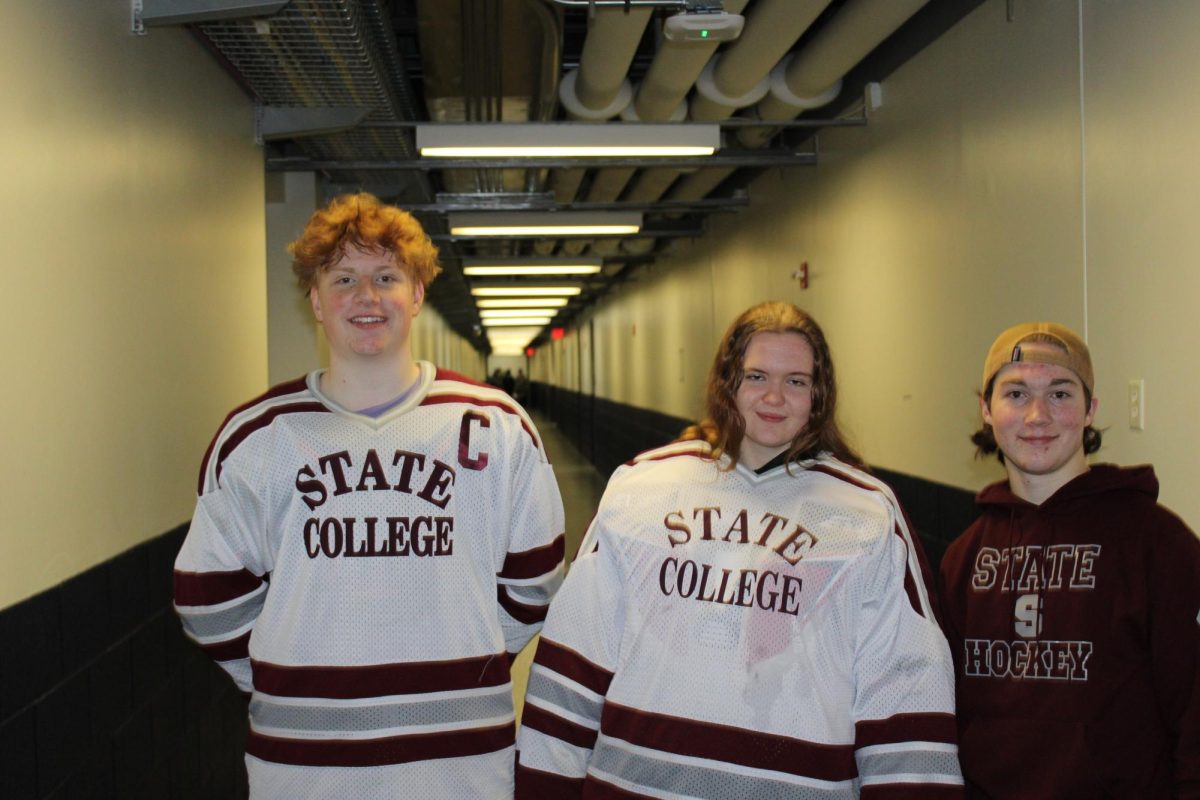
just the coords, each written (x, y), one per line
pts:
(750, 616)
(373, 543)
(521, 388)
(1073, 604)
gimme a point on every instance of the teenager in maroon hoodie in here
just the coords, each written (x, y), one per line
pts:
(1072, 606)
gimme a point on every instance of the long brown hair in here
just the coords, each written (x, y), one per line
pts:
(724, 427)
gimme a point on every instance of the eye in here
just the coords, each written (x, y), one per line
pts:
(799, 383)
(1014, 394)
(753, 377)
(1061, 394)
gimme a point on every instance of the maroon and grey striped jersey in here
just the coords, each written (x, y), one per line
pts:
(367, 580)
(726, 634)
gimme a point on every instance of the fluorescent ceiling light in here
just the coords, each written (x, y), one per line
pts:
(560, 223)
(497, 313)
(523, 302)
(532, 265)
(510, 336)
(529, 291)
(566, 140)
(514, 321)
(509, 350)
(534, 269)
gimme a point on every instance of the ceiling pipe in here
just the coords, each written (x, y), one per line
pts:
(812, 78)
(662, 95)
(739, 77)
(598, 89)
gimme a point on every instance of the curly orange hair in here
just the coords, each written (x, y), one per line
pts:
(362, 221)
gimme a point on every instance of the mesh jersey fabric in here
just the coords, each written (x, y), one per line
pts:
(727, 635)
(367, 580)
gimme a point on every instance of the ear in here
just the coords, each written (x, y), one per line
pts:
(315, 300)
(418, 297)
(1091, 414)
(984, 411)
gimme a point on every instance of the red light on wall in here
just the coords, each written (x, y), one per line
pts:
(557, 333)
(529, 351)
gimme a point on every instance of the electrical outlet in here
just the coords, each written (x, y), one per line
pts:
(1137, 404)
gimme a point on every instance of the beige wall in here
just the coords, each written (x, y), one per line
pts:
(1007, 177)
(133, 281)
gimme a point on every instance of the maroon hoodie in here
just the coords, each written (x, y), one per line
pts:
(1076, 639)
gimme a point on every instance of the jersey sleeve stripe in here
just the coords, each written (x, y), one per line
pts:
(229, 651)
(376, 680)
(521, 612)
(915, 763)
(555, 726)
(730, 744)
(572, 665)
(907, 728)
(533, 784)
(382, 751)
(212, 588)
(534, 563)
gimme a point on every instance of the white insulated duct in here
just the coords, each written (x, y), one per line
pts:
(662, 94)
(743, 69)
(739, 77)
(813, 77)
(598, 89)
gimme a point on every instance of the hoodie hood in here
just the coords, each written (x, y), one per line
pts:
(1099, 479)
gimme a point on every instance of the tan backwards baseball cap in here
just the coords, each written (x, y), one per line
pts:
(1039, 343)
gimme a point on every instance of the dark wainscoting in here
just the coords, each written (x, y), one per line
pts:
(101, 696)
(609, 434)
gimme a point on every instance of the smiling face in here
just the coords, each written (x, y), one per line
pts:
(775, 395)
(366, 303)
(1038, 413)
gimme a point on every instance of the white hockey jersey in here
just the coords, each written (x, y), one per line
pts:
(728, 635)
(367, 580)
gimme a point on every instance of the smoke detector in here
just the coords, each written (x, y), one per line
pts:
(703, 26)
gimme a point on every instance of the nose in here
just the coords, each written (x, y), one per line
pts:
(1038, 413)
(773, 395)
(366, 291)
